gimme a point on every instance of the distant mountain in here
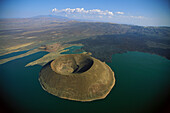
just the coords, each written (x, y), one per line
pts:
(62, 18)
(32, 22)
(58, 18)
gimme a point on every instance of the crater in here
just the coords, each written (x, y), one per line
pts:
(78, 77)
(72, 64)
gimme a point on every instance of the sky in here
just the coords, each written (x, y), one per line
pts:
(135, 12)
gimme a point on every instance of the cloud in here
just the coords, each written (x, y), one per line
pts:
(54, 10)
(121, 13)
(137, 17)
(100, 15)
(83, 11)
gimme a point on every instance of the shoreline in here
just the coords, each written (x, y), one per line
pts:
(50, 56)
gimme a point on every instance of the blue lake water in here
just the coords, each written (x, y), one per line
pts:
(13, 54)
(141, 86)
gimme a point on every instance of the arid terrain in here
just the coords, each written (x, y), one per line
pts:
(53, 34)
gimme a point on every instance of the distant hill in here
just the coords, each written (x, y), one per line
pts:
(33, 22)
(101, 38)
(52, 17)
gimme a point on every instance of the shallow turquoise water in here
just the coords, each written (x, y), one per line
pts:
(72, 50)
(141, 85)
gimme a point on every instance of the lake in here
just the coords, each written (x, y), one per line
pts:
(73, 50)
(142, 82)
(13, 54)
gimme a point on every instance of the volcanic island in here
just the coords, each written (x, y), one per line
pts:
(78, 77)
